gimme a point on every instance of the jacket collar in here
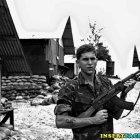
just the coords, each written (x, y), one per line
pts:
(82, 79)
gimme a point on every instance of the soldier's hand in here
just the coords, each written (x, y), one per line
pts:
(130, 82)
(101, 116)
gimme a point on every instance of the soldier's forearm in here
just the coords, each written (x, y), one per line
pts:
(63, 121)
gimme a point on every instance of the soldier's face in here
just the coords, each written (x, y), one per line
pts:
(87, 62)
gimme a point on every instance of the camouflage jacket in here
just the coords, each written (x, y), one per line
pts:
(75, 97)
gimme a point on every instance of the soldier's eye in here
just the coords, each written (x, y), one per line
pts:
(87, 59)
(92, 58)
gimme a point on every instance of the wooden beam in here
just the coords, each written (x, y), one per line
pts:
(7, 38)
(12, 57)
(2, 10)
(0, 81)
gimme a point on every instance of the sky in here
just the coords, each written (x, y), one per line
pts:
(120, 20)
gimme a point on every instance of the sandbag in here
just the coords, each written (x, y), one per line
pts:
(3, 135)
(5, 130)
(9, 126)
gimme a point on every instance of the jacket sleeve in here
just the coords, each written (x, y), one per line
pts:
(65, 99)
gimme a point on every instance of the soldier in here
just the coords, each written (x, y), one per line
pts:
(75, 97)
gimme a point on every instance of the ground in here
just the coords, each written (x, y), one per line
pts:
(38, 123)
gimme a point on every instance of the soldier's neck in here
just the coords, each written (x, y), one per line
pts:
(89, 77)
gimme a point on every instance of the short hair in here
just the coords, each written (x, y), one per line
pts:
(85, 48)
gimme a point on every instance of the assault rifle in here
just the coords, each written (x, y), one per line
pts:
(111, 95)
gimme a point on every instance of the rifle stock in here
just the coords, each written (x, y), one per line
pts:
(108, 95)
(87, 113)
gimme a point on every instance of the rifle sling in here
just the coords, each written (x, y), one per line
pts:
(134, 106)
(122, 104)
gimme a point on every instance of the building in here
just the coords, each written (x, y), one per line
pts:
(44, 56)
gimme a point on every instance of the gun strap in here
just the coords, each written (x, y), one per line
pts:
(122, 104)
(134, 106)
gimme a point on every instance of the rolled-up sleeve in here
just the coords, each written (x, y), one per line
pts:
(61, 108)
(65, 99)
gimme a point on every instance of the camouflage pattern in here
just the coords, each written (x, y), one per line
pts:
(76, 97)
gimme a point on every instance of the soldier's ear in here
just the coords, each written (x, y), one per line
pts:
(77, 62)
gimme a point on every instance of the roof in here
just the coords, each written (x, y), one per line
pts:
(11, 52)
(67, 39)
(136, 61)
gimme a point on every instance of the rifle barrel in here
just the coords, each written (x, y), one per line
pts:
(130, 76)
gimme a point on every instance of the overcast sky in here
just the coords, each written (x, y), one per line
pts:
(119, 18)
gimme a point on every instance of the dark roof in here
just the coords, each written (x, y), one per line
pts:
(11, 52)
(136, 61)
(67, 39)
